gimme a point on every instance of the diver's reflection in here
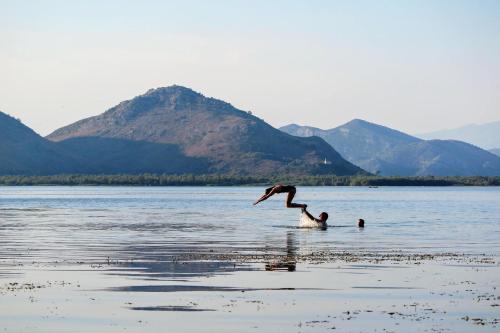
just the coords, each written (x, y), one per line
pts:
(289, 262)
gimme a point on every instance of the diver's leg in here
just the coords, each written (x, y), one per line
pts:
(289, 198)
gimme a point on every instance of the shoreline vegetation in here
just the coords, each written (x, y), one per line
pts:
(235, 180)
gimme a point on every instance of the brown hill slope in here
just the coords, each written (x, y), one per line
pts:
(230, 140)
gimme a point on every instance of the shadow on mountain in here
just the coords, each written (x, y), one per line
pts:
(23, 152)
(108, 156)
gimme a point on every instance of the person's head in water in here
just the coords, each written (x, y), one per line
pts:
(323, 216)
(361, 223)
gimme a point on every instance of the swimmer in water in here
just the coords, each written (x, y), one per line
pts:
(322, 217)
(279, 188)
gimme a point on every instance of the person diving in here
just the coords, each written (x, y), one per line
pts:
(280, 188)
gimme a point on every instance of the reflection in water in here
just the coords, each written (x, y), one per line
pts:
(288, 263)
(164, 264)
(168, 263)
(163, 269)
(190, 288)
(176, 308)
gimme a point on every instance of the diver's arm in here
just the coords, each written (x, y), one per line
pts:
(309, 215)
(265, 196)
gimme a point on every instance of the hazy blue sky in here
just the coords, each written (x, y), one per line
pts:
(413, 65)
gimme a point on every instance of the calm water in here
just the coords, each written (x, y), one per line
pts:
(91, 223)
(110, 259)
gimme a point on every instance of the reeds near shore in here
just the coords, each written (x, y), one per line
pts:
(236, 180)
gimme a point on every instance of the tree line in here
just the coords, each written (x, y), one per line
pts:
(237, 180)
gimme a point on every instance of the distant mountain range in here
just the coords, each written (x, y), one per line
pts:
(175, 130)
(379, 149)
(169, 130)
(486, 136)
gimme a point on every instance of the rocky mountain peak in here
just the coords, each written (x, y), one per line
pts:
(230, 140)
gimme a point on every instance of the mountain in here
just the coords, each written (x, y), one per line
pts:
(379, 149)
(22, 151)
(112, 156)
(486, 136)
(178, 130)
(495, 151)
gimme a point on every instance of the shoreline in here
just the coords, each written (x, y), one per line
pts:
(161, 180)
(317, 257)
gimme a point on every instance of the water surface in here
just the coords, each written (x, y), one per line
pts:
(191, 259)
(57, 223)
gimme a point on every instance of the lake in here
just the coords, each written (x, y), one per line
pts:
(109, 259)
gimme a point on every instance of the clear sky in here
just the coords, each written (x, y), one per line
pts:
(416, 66)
